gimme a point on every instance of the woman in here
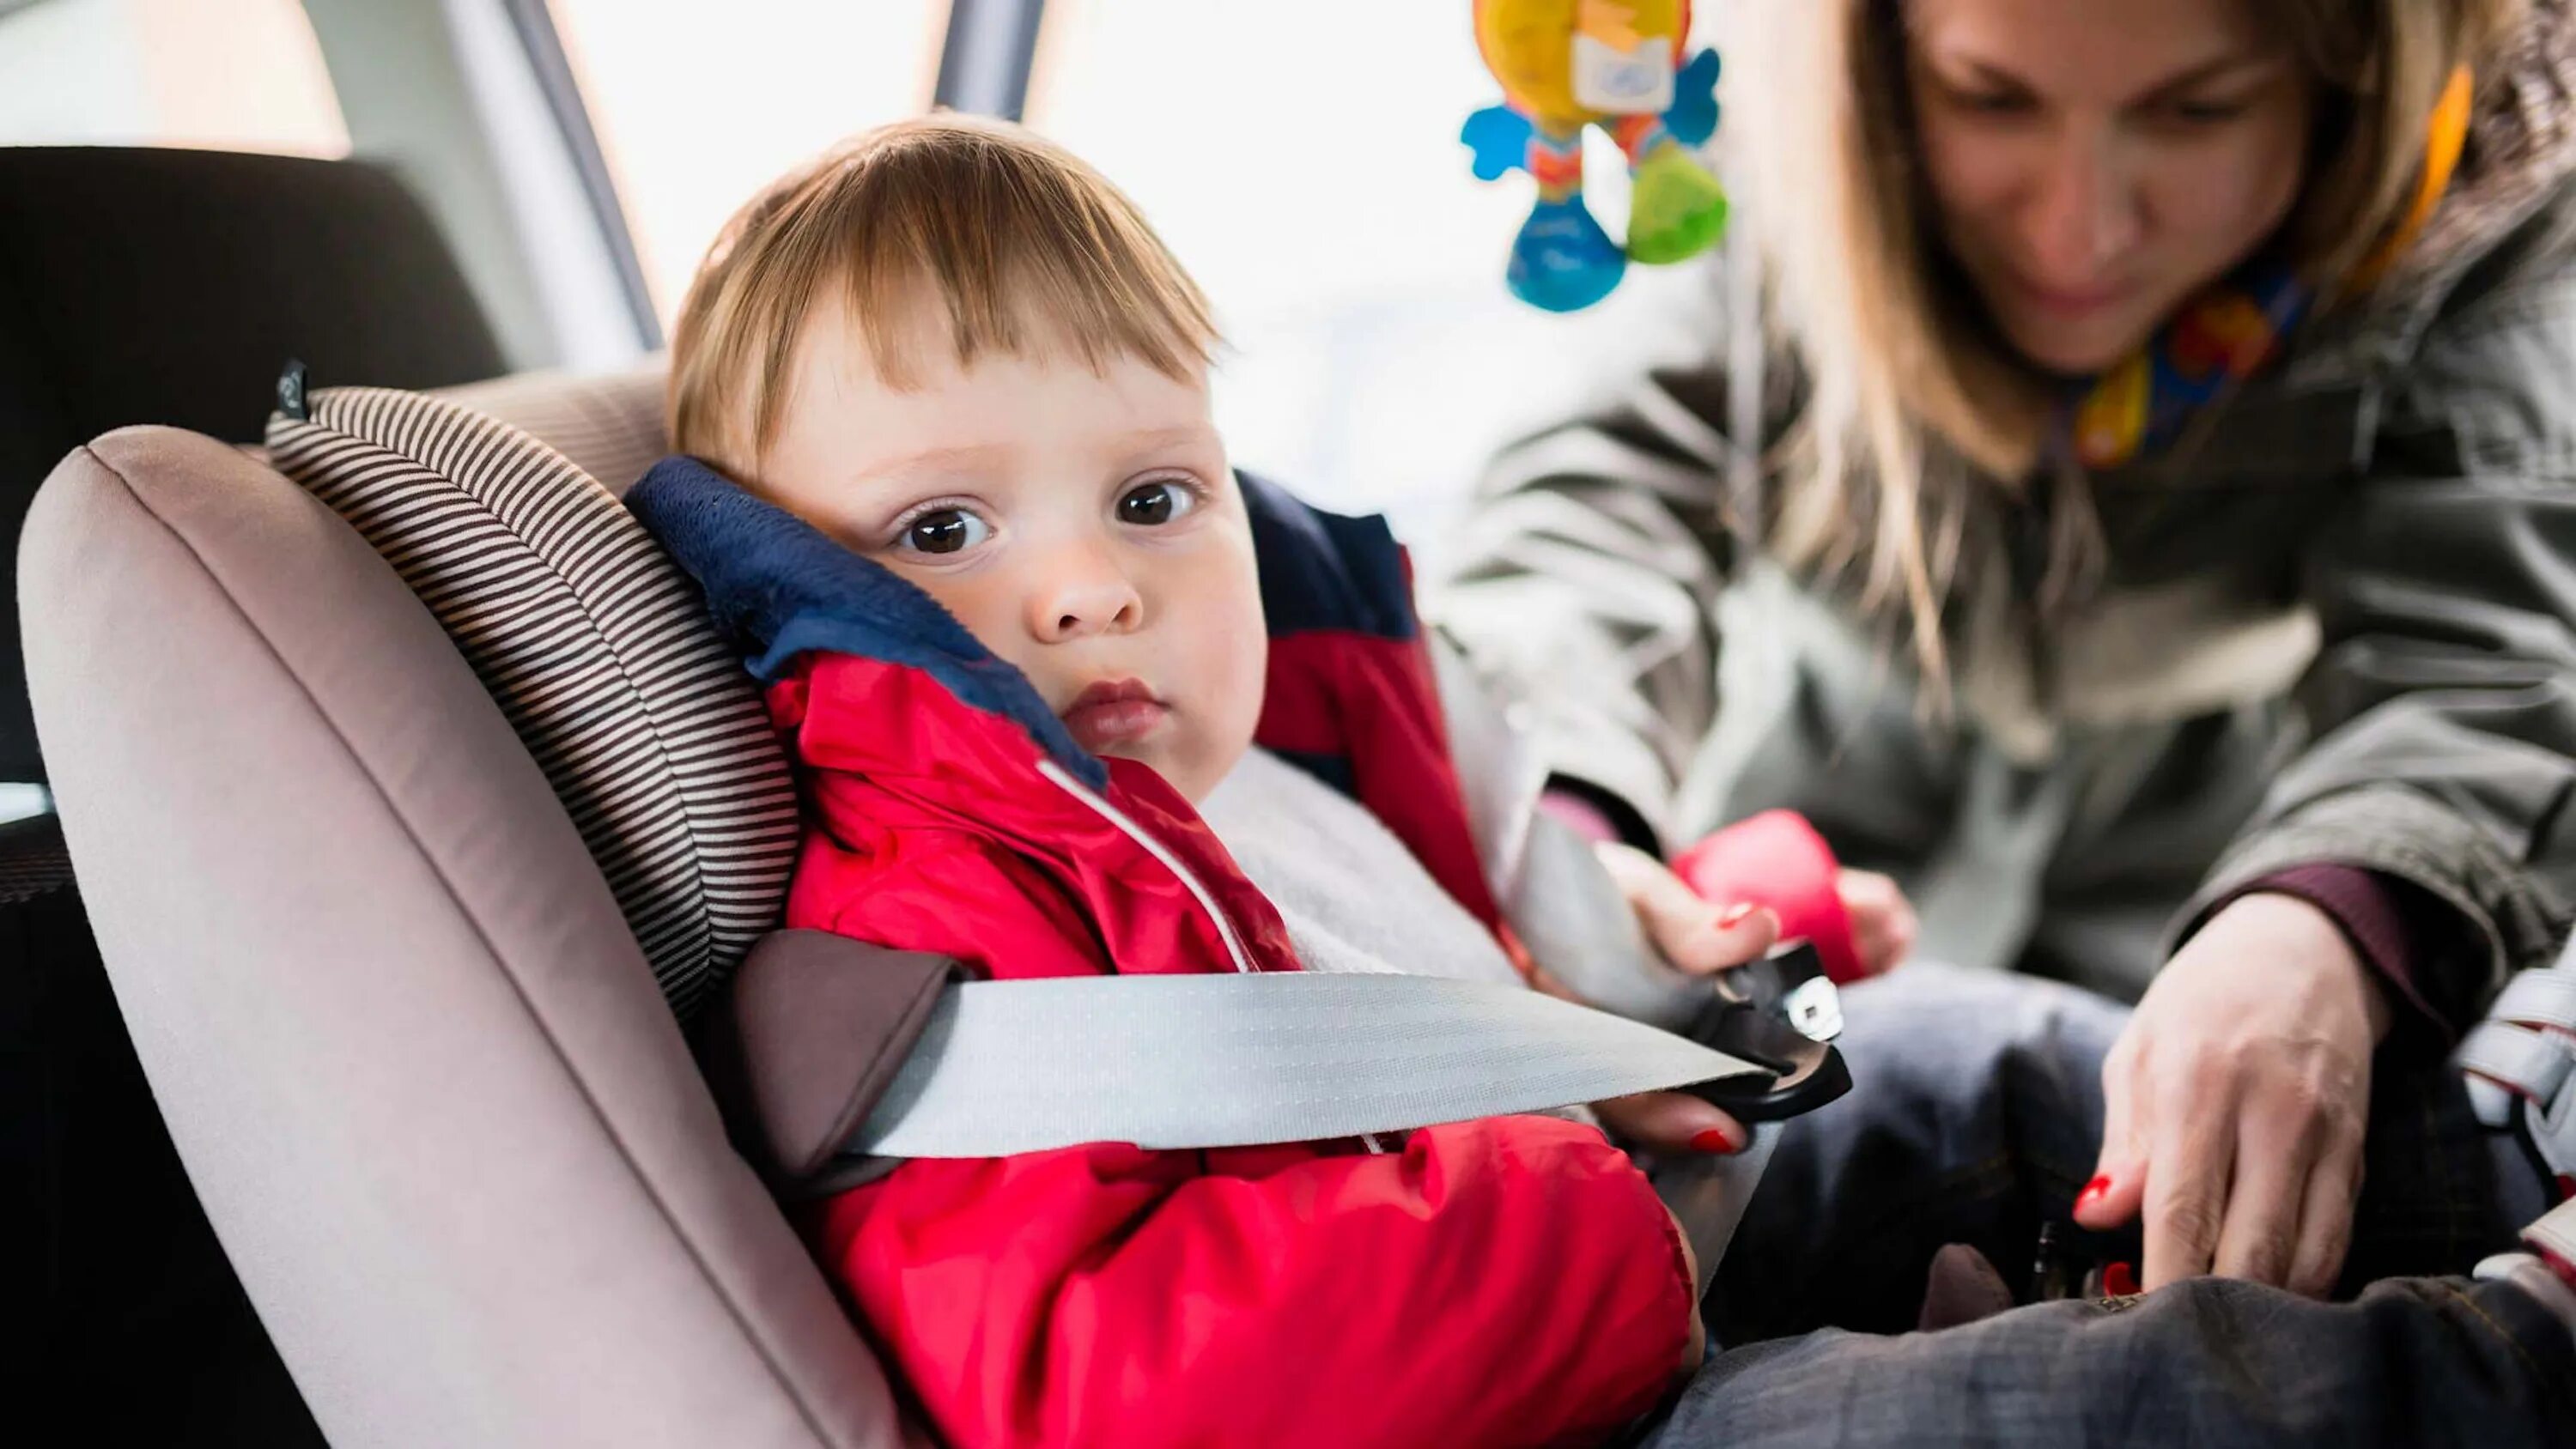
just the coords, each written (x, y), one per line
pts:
(2228, 671)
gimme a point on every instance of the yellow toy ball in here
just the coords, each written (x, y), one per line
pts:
(1570, 63)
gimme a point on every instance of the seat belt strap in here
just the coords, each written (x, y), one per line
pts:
(1195, 1061)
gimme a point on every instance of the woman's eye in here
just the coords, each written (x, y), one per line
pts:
(1991, 103)
(945, 530)
(1151, 505)
(2206, 113)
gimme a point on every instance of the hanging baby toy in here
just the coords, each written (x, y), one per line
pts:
(1617, 64)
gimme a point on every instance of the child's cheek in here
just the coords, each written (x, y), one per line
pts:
(990, 612)
(1230, 656)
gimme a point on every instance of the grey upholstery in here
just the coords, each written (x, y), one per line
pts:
(413, 1059)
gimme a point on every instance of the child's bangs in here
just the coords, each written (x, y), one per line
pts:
(1006, 248)
(983, 235)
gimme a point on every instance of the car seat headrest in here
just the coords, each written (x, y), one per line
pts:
(595, 646)
(608, 424)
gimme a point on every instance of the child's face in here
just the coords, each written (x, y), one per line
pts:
(1085, 527)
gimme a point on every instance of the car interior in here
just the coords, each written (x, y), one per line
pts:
(393, 852)
(386, 815)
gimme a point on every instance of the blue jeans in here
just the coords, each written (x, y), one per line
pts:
(1975, 1118)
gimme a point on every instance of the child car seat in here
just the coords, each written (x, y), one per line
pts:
(420, 804)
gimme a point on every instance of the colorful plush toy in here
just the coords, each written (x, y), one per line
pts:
(1616, 64)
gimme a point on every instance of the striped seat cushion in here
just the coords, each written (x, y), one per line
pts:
(609, 425)
(596, 647)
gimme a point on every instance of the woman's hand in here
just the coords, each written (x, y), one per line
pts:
(1701, 939)
(2234, 1101)
(1882, 919)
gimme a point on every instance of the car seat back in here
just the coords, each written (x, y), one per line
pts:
(150, 285)
(416, 1062)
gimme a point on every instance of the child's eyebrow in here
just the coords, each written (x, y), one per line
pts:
(981, 457)
(964, 459)
(1151, 439)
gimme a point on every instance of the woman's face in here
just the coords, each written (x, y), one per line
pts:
(2096, 162)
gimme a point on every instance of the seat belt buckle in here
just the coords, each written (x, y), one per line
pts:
(1780, 1013)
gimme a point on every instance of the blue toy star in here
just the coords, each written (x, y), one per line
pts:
(1500, 137)
(1693, 117)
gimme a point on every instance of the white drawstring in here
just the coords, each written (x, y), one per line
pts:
(1155, 848)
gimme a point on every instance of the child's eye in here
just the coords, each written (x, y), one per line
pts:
(1151, 505)
(943, 530)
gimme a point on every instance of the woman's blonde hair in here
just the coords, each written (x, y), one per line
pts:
(943, 225)
(1914, 394)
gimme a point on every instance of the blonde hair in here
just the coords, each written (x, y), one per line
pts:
(980, 230)
(1913, 392)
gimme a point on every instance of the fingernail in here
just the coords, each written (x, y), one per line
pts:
(2093, 1191)
(2119, 1280)
(1733, 916)
(1716, 1142)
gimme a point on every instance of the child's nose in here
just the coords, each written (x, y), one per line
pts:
(1087, 593)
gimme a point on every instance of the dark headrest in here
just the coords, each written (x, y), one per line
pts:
(163, 286)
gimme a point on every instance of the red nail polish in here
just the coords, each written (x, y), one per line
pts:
(1716, 1143)
(2093, 1191)
(2119, 1280)
(1733, 916)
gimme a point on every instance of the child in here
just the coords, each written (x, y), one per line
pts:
(1028, 623)
(959, 355)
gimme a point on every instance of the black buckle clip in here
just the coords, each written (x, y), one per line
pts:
(1780, 1013)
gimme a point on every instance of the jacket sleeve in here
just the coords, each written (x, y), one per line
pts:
(1507, 1281)
(2443, 701)
(1590, 569)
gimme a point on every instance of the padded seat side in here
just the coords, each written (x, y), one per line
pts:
(598, 650)
(409, 1050)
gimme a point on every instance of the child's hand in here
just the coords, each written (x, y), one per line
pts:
(1701, 939)
(1882, 920)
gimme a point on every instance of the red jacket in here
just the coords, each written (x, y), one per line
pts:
(1507, 1281)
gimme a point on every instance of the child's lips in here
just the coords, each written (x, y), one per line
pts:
(1119, 712)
